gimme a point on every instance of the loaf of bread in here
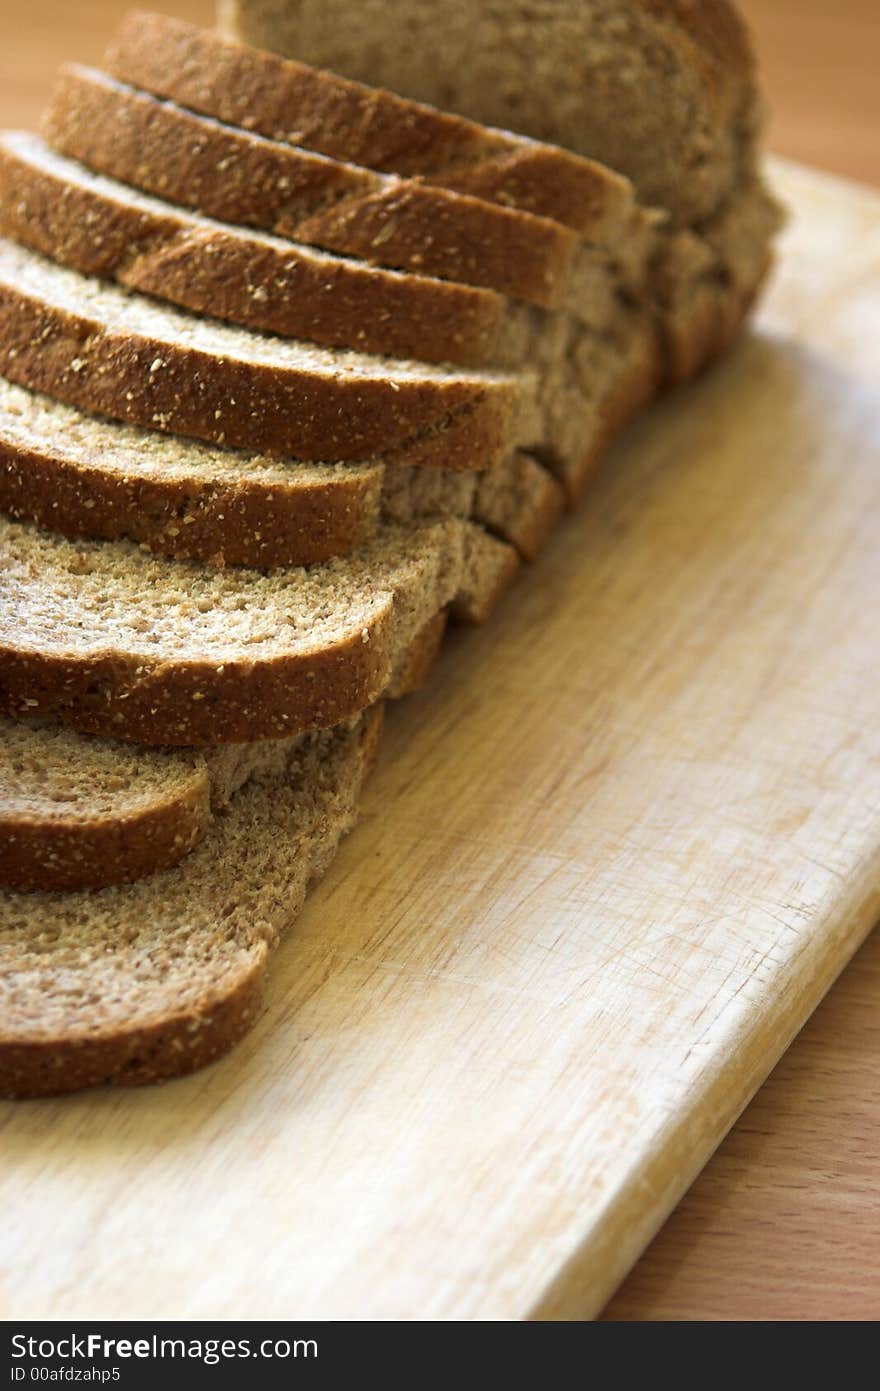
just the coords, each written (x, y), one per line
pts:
(296, 370)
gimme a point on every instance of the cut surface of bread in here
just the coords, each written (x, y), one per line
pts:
(118, 642)
(144, 981)
(328, 113)
(240, 177)
(101, 347)
(101, 227)
(660, 90)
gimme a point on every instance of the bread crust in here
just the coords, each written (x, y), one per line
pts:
(236, 176)
(70, 853)
(289, 101)
(217, 270)
(291, 413)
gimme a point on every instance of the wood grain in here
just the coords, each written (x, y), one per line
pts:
(783, 1222)
(610, 863)
(780, 1223)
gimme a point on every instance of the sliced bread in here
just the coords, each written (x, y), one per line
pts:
(118, 642)
(337, 117)
(100, 347)
(149, 980)
(101, 227)
(237, 176)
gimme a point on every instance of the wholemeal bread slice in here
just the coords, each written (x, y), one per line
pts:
(78, 812)
(81, 812)
(237, 176)
(149, 980)
(337, 117)
(661, 90)
(115, 641)
(83, 475)
(103, 348)
(101, 227)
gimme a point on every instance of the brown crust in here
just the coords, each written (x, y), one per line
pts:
(347, 120)
(714, 37)
(235, 176)
(181, 703)
(183, 390)
(240, 523)
(63, 855)
(171, 1047)
(218, 271)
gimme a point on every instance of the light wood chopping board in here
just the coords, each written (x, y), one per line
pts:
(609, 864)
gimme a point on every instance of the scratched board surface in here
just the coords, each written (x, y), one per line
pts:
(608, 865)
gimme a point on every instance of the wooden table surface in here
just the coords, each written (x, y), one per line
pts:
(782, 1223)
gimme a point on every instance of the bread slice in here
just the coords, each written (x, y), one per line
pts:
(80, 812)
(100, 347)
(661, 90)
(149, 980)
(77, 812)
(117, 642)
(237, 176)
(322, 111)
(101, 227)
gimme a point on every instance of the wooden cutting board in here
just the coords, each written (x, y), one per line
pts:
(607, 867)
